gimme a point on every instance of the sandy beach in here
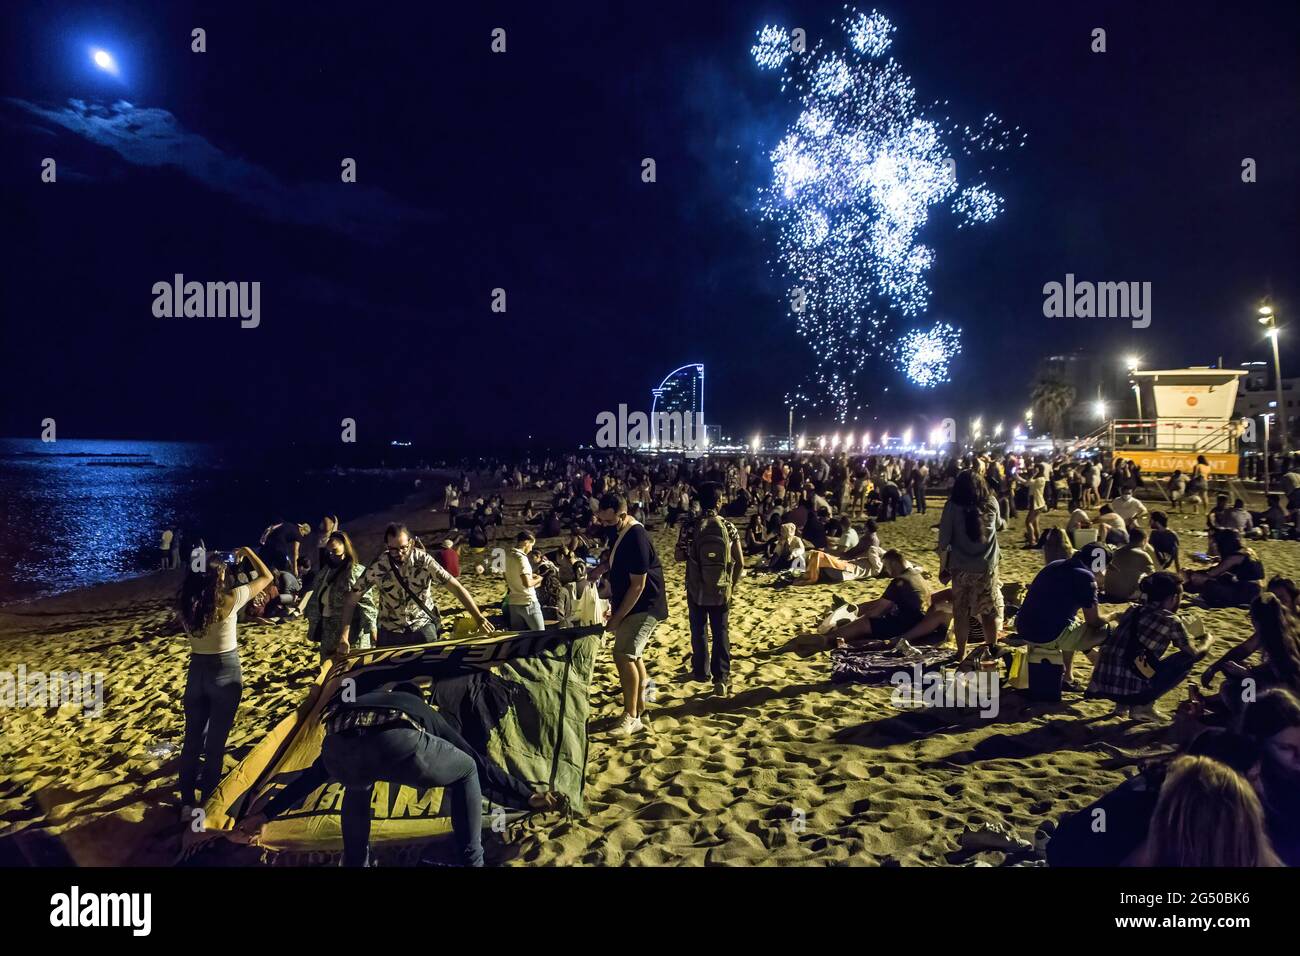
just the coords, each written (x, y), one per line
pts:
(791, 769)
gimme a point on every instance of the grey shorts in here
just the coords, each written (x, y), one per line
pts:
(633, 634)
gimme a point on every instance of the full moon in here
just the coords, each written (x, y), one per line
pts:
(104, 60)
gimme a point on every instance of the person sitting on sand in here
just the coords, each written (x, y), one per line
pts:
(894, 613)
(1130, 509)
(788, 551)
(1078, 521)
(1207, 815)
(1056, 546)
(1163, 542)
(1127, 567)
(1128, 809)
(324, 608)
(1275, 518)
(1235, 581)
(214, 682)
(393, 736)
(1111, 528)
(867, 540)
(1286, 591)
(1049, 616)
(755, 538)
(1273, 720)
(841, 536)
(1276, 636)
(1132, 669)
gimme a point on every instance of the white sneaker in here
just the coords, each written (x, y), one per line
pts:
(904, 649)
(1144, 712)
(628, 726)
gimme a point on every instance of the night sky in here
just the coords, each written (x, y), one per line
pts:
(522, 171)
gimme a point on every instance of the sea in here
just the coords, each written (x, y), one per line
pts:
(77, 513)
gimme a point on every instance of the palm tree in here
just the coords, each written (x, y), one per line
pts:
(1051, 399)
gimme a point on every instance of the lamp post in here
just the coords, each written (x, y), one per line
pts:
(1133, 362)
(1268, 319)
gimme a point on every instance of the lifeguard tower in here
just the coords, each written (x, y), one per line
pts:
(1189, 414)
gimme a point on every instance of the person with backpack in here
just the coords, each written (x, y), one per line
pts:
(715, 560)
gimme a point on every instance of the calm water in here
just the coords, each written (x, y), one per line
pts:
(74, 513)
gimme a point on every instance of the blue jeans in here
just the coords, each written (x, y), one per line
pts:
(213, 687)
(525, 617)
(413, 758)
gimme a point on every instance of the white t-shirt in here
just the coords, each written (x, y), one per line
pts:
(518, 570)
(220, 634)
(1128, 508)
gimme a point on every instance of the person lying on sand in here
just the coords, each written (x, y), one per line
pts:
(823, 566)
(895, 616)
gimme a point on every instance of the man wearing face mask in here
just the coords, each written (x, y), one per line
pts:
(638, 602)
(404, 578)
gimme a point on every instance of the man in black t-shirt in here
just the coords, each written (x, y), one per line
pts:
(638, 602)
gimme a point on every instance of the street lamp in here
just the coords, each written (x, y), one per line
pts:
(1268, 319)
(1100, 408)
(1132, 362)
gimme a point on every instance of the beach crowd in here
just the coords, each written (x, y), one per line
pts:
(1117, 587)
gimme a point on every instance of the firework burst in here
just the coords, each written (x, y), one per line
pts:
(924, 356)
(854, 180)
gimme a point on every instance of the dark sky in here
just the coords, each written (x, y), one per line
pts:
(522, 171)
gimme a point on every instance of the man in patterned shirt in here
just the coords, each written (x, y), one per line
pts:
(404, 577)
(1133, 669)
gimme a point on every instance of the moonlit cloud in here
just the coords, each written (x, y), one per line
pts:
(152, 137)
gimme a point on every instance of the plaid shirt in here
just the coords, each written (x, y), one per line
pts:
(397, 612)
(1145, 630)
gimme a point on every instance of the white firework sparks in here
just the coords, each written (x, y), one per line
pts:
(853, 181)
(924, 356)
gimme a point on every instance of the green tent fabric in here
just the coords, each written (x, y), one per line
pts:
(541, 738)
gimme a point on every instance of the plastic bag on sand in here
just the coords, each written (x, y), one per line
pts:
(992, 836)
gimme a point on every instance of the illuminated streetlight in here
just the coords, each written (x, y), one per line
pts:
(907, 437)
(1269, 319)
(1100, 407)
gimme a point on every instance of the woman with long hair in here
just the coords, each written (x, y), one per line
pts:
(325, 606)
(214, 683)
(1207, 815)
(1274, 721)
(1277, 637)
(968, 557)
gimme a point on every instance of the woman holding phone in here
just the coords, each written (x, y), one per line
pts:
(214, 683)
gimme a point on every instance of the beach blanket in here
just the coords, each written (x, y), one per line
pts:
(851, 666)
(540, 736)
